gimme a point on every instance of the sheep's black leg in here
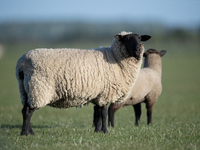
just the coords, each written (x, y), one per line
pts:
(98, 119)
(110, 116)
(137, 109)
(149, 113)
(104, 118)
(27, 113)
(31, 130)
(95, 116)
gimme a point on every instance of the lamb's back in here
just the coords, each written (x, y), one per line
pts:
(147, 84)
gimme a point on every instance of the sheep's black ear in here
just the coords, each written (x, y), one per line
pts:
(162, 52)
(145, 37)
(119, 37)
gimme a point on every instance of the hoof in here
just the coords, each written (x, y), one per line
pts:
(101, 131)
(98, 131)
(32, 133)
(105, 131)
(24, 133)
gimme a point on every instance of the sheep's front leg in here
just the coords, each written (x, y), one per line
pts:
(104, 118)
(27, 113)
(97, 118)
(100, 116)
(137, 109)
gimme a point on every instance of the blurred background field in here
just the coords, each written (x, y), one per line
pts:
(176, 123)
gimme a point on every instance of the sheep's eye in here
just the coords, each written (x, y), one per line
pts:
(126, 38)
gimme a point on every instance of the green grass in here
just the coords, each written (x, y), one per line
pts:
(176, 115)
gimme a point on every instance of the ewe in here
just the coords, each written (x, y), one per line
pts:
(64, 78)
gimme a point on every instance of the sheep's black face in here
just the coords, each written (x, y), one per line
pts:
(132, 43)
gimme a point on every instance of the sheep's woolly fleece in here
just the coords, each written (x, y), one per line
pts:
(66, 78)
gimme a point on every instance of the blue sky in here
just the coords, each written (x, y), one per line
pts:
(173, 13)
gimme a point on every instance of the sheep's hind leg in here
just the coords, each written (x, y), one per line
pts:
(27, 113)
(31, 130)
(137, 109)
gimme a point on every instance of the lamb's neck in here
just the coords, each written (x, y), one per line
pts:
(157, 67)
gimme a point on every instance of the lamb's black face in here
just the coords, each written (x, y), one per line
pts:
(132, 43)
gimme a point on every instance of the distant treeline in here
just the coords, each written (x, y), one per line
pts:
(59, 32)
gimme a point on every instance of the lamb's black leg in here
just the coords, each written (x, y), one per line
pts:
(137, 109)
(111, 115)
(98, 119)
(104, 118)
(27, 113)
(149, 113)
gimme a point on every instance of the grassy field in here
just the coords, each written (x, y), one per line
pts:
(176, 115)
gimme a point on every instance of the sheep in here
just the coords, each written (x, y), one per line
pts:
(65, 78)
(147, 88)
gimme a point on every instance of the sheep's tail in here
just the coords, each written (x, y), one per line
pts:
(23, 93)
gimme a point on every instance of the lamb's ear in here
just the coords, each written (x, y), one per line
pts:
(119, 37)
(162, 52)
(145, 37)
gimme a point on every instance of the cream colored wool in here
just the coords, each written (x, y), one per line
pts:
(148, 83)
(66, 78)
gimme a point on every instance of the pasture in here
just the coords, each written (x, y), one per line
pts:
(176, 115)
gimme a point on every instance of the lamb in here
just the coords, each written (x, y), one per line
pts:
(65, 78)
(147, 88)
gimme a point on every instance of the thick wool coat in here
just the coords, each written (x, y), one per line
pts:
(66, 78)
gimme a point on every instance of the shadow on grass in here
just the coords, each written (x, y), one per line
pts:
(20, 126)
